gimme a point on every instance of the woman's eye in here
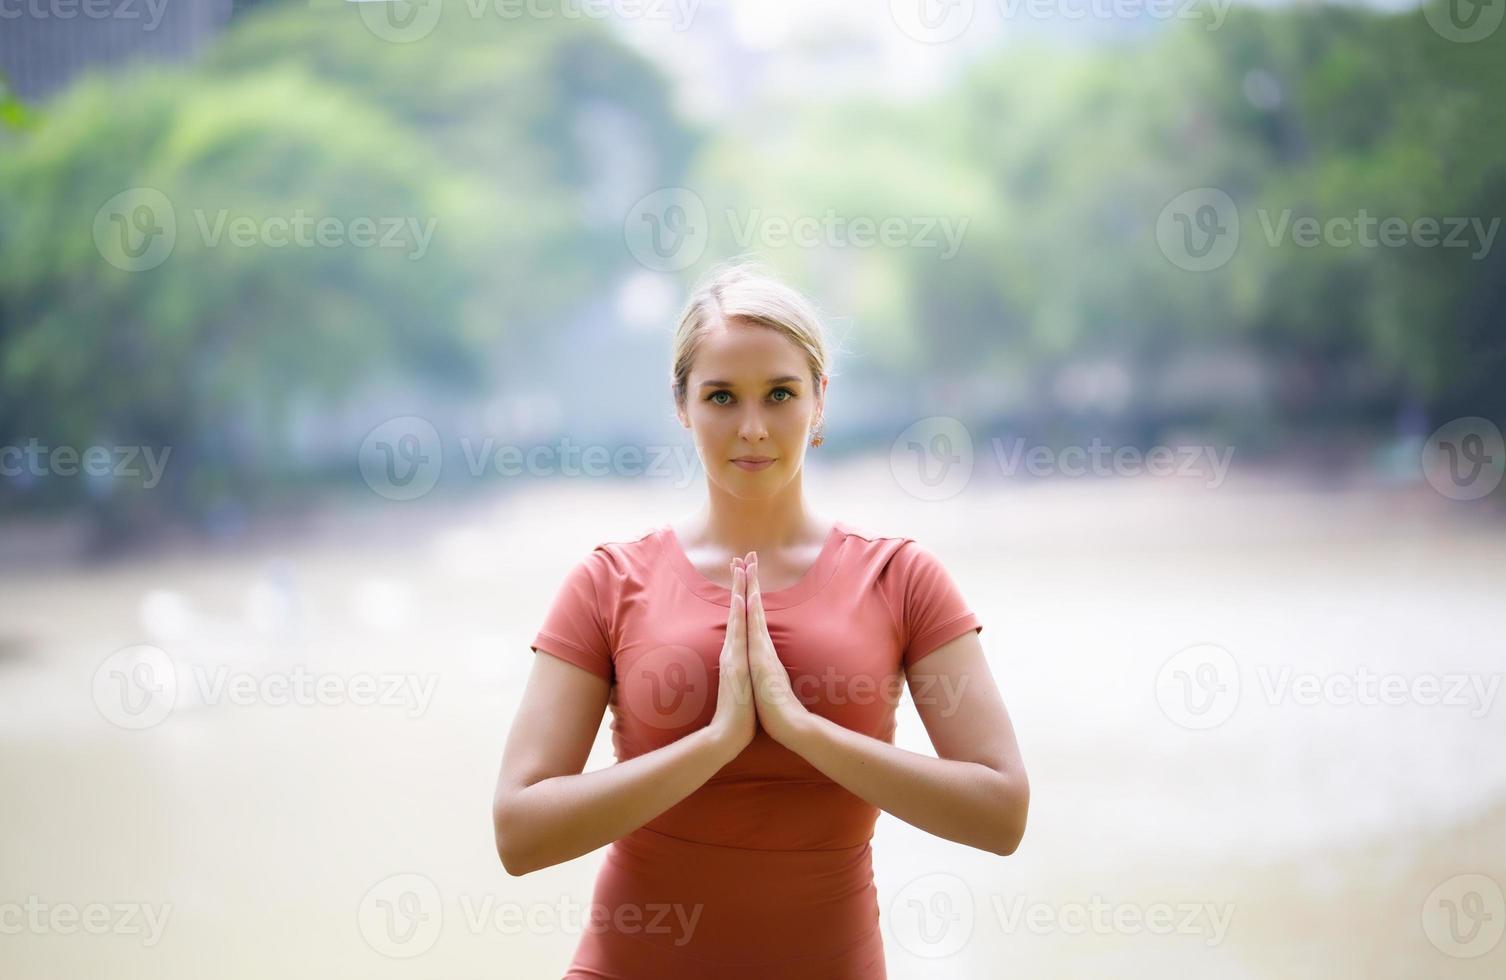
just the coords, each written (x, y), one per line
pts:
(713, 397)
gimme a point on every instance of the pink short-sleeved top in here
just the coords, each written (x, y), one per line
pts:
(639, 614)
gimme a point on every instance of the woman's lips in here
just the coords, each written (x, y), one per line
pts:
(749, 464)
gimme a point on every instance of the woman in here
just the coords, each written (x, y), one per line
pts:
(752, 655)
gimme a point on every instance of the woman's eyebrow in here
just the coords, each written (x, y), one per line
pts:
(782, 379)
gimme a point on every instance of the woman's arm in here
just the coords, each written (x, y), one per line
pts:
(547, 811)
(976, 793)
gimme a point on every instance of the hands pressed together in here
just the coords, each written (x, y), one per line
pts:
(755, 688)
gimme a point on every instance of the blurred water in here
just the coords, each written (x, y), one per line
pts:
(1316, 833)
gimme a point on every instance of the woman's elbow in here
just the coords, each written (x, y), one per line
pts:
(514, 867)
(1014, 810)
(513, 861)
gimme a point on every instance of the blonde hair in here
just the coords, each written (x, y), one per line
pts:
(747, 291)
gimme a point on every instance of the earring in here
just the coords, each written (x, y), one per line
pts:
(817, 438)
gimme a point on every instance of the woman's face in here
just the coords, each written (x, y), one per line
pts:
(749, 397)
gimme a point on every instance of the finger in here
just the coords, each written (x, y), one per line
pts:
(739, 611)
(732, 606)
(755, 600)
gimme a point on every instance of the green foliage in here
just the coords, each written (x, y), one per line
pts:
(1063, 157)
(13, 112)
(476, 134)
(524, 140)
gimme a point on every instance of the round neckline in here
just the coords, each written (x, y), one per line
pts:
(814, 579)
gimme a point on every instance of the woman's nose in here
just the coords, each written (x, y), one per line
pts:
(752, 427)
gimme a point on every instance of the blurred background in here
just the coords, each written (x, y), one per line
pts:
(333, 333)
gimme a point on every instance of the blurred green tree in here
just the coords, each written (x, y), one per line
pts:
(469, 150)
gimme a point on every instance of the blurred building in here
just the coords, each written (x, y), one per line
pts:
(46, 44)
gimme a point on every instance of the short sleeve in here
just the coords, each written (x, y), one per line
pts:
(932, 608)
(575, 627)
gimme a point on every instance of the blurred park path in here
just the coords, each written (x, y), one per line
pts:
(1292, 838)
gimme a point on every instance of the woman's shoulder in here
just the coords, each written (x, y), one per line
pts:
(888, 539)
(882, 549)
(624, 553)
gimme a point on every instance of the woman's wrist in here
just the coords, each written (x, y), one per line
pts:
(797, 728)
(718, 744)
